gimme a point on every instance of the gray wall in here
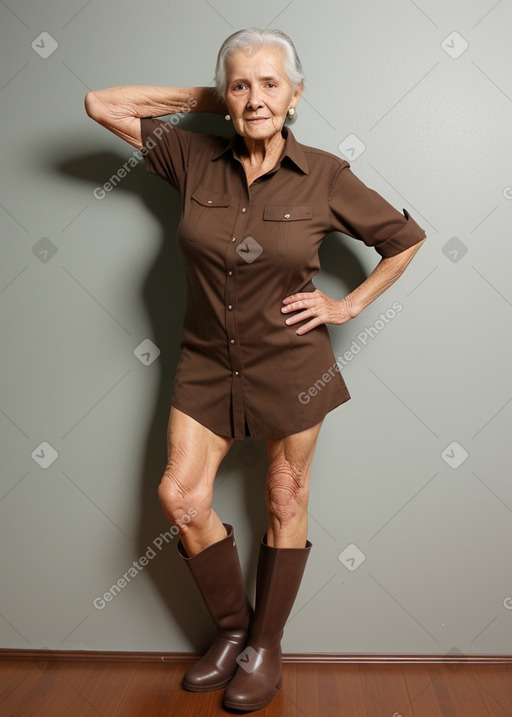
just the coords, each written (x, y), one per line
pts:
(413, 474)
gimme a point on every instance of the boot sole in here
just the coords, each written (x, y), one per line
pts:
(255, 705)
(206, 688)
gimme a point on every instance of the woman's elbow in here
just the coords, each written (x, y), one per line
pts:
(406, 256)
(93, 106)
(418, 245)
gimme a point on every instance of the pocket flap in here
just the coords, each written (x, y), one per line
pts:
(209, 198)
(287, 213)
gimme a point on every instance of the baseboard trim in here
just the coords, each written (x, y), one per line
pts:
(449, 658)
(312, 657)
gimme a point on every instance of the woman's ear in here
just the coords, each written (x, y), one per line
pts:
(296, 96)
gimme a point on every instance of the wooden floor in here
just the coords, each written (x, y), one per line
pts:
(60, 688)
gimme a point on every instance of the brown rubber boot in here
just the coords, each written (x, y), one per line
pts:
(258, 676)
(217, 573)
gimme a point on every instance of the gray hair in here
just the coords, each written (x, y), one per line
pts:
(252, 40)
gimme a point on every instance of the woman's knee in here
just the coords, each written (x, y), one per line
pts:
(286, 490)
(184, 497)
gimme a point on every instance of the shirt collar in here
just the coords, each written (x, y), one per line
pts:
(292, 149)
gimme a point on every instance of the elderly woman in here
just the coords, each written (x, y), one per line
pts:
(255, 211)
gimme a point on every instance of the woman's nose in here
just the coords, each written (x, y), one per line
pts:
(254, 100)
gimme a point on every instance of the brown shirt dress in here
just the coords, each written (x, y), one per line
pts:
(242, 370)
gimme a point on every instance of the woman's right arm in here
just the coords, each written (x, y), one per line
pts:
(119, 109)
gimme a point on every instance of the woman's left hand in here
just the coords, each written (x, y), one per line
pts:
(317, 307)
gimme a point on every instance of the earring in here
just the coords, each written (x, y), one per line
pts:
(227, 118)
(291, 112)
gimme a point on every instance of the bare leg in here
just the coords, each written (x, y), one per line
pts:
(287, 487)
(185, 492)
(281, 563)
(194, 454)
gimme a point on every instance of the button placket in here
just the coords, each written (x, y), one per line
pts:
(231, 306)
(231, 285)
(231, 327)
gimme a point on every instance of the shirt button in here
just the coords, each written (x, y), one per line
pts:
(236, 373)
(230, 307)
(286, 216)
(244, 210)
(232, 341)
(230, 273)
(234, 239)
(209, 201)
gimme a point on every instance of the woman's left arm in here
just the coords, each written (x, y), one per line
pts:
(321, 309)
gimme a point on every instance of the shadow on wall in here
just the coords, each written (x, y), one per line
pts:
(164, 288)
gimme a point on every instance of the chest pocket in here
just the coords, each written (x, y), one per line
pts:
(283, 222)
(209, 213)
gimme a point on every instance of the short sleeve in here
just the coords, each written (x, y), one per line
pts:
(166, 150)
(362, 213)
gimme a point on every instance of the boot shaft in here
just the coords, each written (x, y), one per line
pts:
(217, 573)
(280, 572)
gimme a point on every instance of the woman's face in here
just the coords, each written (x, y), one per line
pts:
(258, 92)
